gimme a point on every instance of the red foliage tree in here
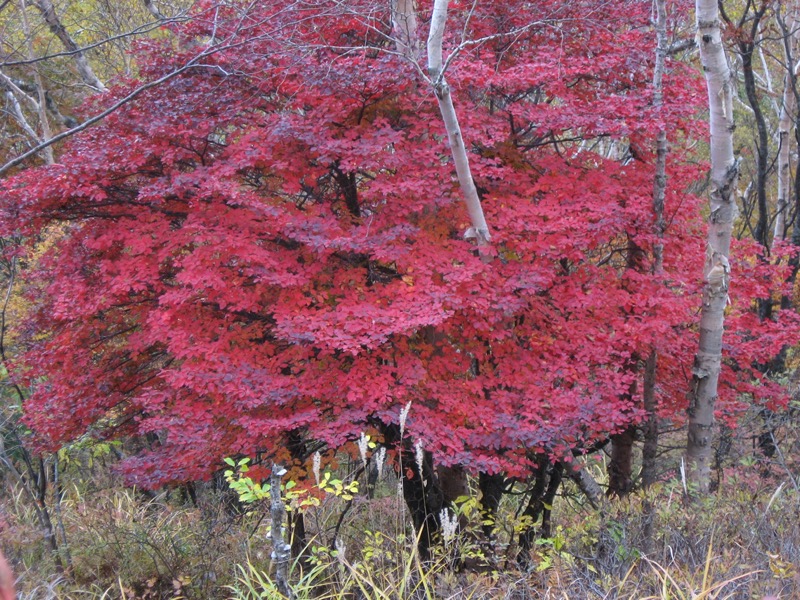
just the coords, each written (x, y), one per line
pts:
(272, 242)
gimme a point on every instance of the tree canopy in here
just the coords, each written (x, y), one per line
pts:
(272, 241)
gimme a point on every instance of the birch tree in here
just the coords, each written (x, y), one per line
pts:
(788, 110)
(722, 204)
(436, 72)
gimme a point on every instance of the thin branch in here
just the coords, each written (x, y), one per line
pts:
(146, 28)
(476, 42)
(99, 117)
(153, 10)
(16, 112)
(47, 151)
(85, 70)
(10, 85)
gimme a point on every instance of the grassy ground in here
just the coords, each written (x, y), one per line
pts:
(742, 542)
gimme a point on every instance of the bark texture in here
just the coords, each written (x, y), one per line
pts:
(620, 467)
(724, 175)
(589, 486)
(281, 551)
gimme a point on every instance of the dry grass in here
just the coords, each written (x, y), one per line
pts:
(741, 543)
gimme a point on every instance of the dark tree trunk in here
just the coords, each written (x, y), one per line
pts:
(422, 492)
(721, 453)
(620, 468)
(492, 488)
(766, 439)
(760, 232)
(298, 449)
(545, 487)
(650, 426)
(349, 188)
(425, 501)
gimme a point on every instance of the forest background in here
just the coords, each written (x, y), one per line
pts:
(444, 274)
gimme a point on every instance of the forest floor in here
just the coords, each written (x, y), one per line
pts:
(742, 542)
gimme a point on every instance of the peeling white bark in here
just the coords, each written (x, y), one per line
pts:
(479, 228)
(724, 176)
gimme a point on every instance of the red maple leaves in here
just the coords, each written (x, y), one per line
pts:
(272, 241)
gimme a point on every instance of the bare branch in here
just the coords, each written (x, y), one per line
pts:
(57, 27)
(681, 45)
(12, 86)
(111, 109)
(16, 111)
(47, 151)
(146, 28)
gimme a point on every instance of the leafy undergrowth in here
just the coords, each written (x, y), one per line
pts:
(743, 542)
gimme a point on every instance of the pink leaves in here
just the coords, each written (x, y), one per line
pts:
(282, 248)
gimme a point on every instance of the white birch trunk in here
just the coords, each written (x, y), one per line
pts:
(660, 177)
(479, 228)
(281, 551)
(785, 126)
(724, 175)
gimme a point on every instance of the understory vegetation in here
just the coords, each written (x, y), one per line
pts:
(203, 542)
